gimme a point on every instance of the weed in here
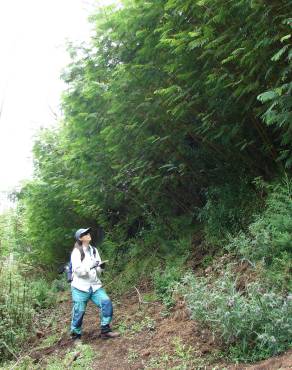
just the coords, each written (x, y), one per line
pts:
(123, 327)
(268, 239)
(19, 302)
(50, 340)
(146, 324)
(158, 362)
(26, 363)
(254, 325)
(43, 294)
(150, 297)
(183, 356)
(182, 351)
(132, 355)
(165, 283)
(207, 261)
(82, 361)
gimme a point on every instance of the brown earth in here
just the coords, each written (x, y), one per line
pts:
(150, 339)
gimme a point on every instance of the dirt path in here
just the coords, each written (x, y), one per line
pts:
(150, 339)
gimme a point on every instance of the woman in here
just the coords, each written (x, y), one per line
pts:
(86, 285)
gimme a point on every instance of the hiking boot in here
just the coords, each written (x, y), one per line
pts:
(75, 336)
(109, 334)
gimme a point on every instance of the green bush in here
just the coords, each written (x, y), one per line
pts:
(228, 209)
(269, 238)
(165, 283)
(60, 284)
(43, 292)
(253, 324)
(165, 279)
(19, 301)
(16, 311)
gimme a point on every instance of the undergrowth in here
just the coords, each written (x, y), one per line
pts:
(268, 239)
(20, 300)
(80, 357)
(229, 208)
(165, 283)
(162, 264)
(252, 324)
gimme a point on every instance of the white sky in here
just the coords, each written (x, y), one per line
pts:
(32, 47)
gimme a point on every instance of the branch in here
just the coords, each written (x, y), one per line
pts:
(141, 301)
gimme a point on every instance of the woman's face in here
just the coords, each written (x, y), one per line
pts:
(85, 238)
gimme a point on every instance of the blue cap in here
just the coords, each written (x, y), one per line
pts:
(80, 232)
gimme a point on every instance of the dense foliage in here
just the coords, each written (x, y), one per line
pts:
(268, 238)
(174, 105)
(175, 115)
(13, 233)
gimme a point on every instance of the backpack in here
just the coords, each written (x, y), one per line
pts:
(68, 266)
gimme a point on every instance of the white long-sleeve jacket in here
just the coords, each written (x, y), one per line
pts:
(83, 276)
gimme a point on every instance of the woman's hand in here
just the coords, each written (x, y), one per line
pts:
(94, 265)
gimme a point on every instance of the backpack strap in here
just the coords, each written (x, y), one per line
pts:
(68, 267)
(94, 251)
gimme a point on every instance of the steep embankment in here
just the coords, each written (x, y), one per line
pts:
(151, 338)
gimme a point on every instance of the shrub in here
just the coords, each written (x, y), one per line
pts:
(165, 283)
(16, 311)
(228, 209)
(18, 303)
(253, 324)
(44, 293)
(269, 238)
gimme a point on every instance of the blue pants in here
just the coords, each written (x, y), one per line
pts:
(100, 299)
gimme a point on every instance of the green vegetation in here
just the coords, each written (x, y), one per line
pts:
(20, 299)
(176, 136)
(268, 239)
(13, 233)
(183, 356)
(16, 311)
(84, 357)
(78, 358)
(253, 324)
(170, 113)
(165, 283)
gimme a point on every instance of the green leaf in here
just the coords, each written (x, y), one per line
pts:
(266, 96)
(279, 54)
(285, 37)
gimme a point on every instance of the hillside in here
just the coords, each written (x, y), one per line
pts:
(173, 157)
(149, 340)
